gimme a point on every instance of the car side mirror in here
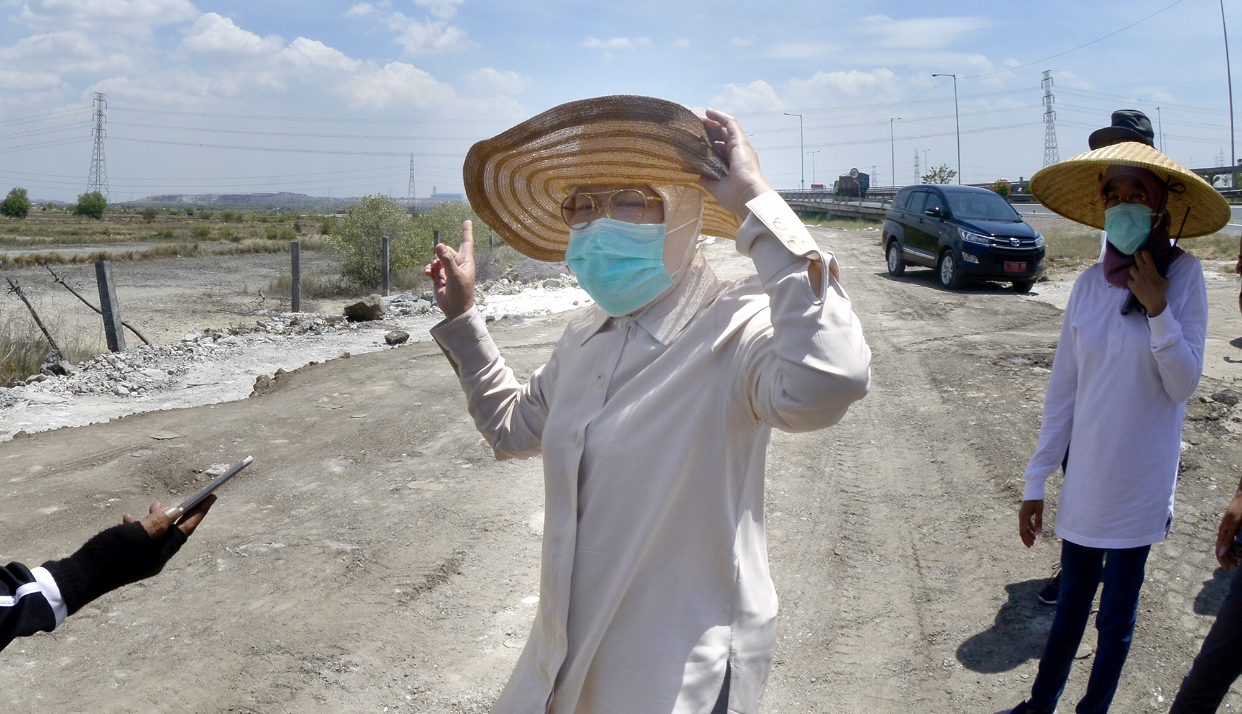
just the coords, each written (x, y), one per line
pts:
(934, 212)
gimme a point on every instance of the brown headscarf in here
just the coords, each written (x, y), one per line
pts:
(1117, 264)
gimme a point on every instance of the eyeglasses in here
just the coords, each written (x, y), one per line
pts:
(1112, 198)
(628, 205)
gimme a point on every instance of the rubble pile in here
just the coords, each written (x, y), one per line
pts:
(145, 369)
(410, 303)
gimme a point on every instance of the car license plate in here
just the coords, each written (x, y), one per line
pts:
(1015, 267)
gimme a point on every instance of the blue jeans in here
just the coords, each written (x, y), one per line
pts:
(1082, 570)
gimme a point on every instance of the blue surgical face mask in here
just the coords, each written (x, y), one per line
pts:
(620, 265)
(1127, 226)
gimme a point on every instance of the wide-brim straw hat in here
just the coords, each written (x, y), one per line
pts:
(1072, 189)
(516, 181)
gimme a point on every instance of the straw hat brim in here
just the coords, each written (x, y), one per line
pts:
(1072, 189)
(516, 181)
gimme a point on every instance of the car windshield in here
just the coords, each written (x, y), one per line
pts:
(981, 207)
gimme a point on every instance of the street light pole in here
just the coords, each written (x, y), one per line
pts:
(892, 146)
(813, 153)
(1233, 156)
(958, 121)
(1160, 125)
(801, 146)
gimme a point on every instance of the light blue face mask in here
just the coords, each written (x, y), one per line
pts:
(1127, 226)
(620, 265)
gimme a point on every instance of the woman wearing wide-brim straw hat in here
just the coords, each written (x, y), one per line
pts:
(654, 410)
(1130, 355)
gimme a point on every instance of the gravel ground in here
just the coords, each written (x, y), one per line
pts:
(377, 558)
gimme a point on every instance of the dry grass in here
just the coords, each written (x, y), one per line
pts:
(23, 347)
(492, 263)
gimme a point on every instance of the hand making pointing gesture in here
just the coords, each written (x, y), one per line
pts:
(452, 274)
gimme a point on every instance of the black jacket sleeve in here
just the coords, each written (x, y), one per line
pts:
(24, 608)
(112, 558)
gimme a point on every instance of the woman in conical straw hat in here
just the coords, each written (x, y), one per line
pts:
(654, 410)
(1130, 355)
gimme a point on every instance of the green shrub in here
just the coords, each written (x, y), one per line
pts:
(200, 231)
(16, 204)
(1002, 187)
(230, 216)
(356, 240)
(163, 233)
(91, 203)
(148, 214)
(286, 233)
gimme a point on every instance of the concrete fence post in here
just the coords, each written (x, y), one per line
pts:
(384, 263)
(111, 309)
(295, 283)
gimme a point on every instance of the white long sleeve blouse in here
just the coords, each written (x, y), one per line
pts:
(1116, 399)
(654, 431)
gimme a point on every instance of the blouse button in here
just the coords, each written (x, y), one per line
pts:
(599, 381)
(577, 440)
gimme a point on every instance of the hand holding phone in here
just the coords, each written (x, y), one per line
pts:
(176, 511)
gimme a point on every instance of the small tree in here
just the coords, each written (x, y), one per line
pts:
(447, 218)
(356, 240)
(16, 204)
(1003, 188)
(940, 174)
(91, 203)
(148, 214)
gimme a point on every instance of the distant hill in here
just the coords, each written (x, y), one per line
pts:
(260, 201)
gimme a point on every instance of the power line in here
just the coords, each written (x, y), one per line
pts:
(251, 132)
(327, 152)
(1079, 47)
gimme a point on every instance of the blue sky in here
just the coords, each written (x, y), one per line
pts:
(332, 97)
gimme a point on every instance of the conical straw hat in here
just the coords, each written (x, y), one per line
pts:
(516, 181)
(1072, 189)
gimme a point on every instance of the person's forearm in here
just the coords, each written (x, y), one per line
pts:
(112, 558)
(507, 413)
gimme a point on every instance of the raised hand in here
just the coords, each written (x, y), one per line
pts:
(745, 180)
(452, 274)
(1147, 285)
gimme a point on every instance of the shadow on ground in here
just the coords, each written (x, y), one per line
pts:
(1208, 601)
(1017, 636)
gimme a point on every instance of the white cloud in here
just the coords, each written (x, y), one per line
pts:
(25, 81)
(921, 33)
(123, 16)
(498, 82)
(824, 87)
(443, 9)
(799, 50)
(616, 43)
(366, 9)
(757, 96)
(216, 37)
(742, 41)
(1066, 78)
(681, 42)
(431, 37)
(395, 83)
(69, 51)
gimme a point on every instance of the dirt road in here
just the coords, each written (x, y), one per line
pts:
(376, 558)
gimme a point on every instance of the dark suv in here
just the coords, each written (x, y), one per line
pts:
(963, 232)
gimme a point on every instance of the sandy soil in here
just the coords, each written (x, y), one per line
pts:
(376, 558)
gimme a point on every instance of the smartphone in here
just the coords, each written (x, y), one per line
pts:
(1236, 547)
(175, 512)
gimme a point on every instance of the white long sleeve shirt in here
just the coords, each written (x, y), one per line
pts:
(654, 430)
(1116, 399)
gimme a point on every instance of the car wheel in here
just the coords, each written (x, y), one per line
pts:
(896, 266)
(950, 276)
(1023, 286)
